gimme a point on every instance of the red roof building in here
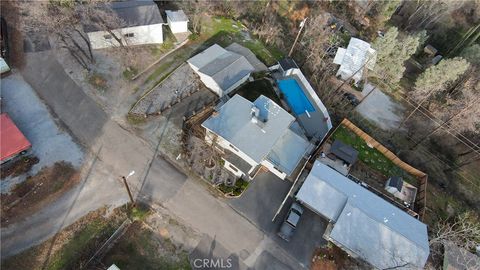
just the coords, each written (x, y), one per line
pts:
(12, 140)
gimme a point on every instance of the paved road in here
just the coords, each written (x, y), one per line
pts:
(49, 142)
(117, 152)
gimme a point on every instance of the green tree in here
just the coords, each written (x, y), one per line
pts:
(392, 52)
(472, 54)
(435, 78)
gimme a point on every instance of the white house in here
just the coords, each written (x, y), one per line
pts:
(221, 70)
(363, 224)
(141, 24)
(354, 59)
(255, 134)
(177, 21)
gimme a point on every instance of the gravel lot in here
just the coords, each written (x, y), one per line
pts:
(49, 142)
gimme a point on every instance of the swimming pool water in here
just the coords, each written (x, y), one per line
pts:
(295, 96)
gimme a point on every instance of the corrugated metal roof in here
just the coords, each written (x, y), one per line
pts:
(12, 140)
(349, 206)
(176, 15)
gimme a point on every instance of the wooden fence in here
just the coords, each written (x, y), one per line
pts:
(421, 199)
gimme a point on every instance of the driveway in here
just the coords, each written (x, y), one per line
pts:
(114, 151)
(259, 204)
(381, 109)
(50, 143)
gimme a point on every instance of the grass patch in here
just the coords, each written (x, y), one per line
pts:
(140, 212)
(134, 119)
(225, 31)
(252, 90)
(129, 73)
(81, 241)
(98, 81)
(235, 190)
(371, 156)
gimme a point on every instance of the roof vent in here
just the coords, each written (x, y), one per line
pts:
(255, 113)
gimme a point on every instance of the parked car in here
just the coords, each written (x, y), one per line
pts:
(290, 223)
(351, 98)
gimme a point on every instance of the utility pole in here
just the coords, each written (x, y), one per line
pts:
(128, 188)
(302, 24)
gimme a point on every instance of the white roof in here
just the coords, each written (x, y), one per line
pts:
(367, 224)
(353, 59)
(176, 15)
(233, 122)
(288, 151)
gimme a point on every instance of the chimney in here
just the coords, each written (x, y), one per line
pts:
(255, 113)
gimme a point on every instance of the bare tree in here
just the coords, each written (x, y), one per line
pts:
(64, 20)
(269, 30)
(463, 231)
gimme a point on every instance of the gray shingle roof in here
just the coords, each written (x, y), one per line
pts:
(176, 15)
(225, 67)
(233, 122)
(344, 152)
(364, 223)
(133, 13)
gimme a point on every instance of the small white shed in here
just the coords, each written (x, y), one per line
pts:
(177, 21)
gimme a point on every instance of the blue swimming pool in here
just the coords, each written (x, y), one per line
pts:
(295, 96)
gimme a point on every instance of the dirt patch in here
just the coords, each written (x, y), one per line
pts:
(36, 191)
(142, 248)
(71, 247)
(18, 167)
(332, 258)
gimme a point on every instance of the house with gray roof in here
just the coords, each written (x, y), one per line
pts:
(258, 133)
(363, 224)
(221, 70)
(139, 23)
(354, 60)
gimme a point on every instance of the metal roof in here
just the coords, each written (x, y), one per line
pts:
(288, 151)
(12, 140)
(344, 152)
(233, 122)
(352, 59)
(377, 242)
(364, 223)
(176, 15)
(133, 13)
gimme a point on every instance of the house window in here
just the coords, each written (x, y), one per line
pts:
(233, 168)
(129, 35)
(233, 147)
(107, 37)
